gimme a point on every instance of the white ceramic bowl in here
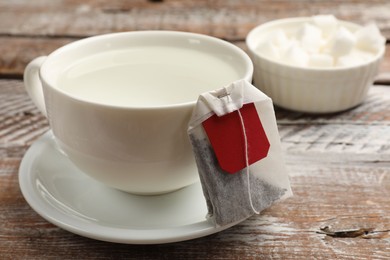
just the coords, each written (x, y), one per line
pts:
(313, 90)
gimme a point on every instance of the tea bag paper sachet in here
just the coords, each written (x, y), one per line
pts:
(237, 149)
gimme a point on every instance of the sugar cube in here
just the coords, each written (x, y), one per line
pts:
(279, 38)
(268, 50)
(369, 38)
(311, 44)
(308, 30)
(295, 55)
(327, 23)
(342, 42)
(321, 60)
(310, 38)
(322, 42)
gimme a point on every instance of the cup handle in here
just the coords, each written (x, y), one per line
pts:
(33, 84)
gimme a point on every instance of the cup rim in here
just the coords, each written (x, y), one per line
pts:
(235, 49)
(251, 36)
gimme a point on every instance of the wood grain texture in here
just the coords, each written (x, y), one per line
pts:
(20, 121)
(357, 134)
(17, 52)
(230, 20)
(339, 166)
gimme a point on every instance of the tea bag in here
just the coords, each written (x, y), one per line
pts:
(237, 149)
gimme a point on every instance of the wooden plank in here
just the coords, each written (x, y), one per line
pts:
(20, 121)
(346, 198)
(225, 19)
(374, 110)
(361, 132)
(340, 206)
(18, 51)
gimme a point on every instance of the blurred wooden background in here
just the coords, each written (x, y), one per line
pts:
(32, 28)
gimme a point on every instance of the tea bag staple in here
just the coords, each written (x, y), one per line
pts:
(234, 196)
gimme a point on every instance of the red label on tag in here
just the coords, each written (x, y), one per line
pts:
(227, 138)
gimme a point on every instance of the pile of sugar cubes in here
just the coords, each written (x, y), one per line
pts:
(323, 42)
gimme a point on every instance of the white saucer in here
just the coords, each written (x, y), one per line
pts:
(68, 198)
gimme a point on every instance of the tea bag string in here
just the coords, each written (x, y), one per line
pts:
(247, 161)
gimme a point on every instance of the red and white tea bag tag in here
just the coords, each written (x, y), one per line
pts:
(234, 130)
(238, 138)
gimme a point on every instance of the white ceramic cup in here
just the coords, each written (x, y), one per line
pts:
(138, 149)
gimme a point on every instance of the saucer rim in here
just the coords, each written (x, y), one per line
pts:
(93, 230)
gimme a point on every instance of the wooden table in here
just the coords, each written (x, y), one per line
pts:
(339, 164)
